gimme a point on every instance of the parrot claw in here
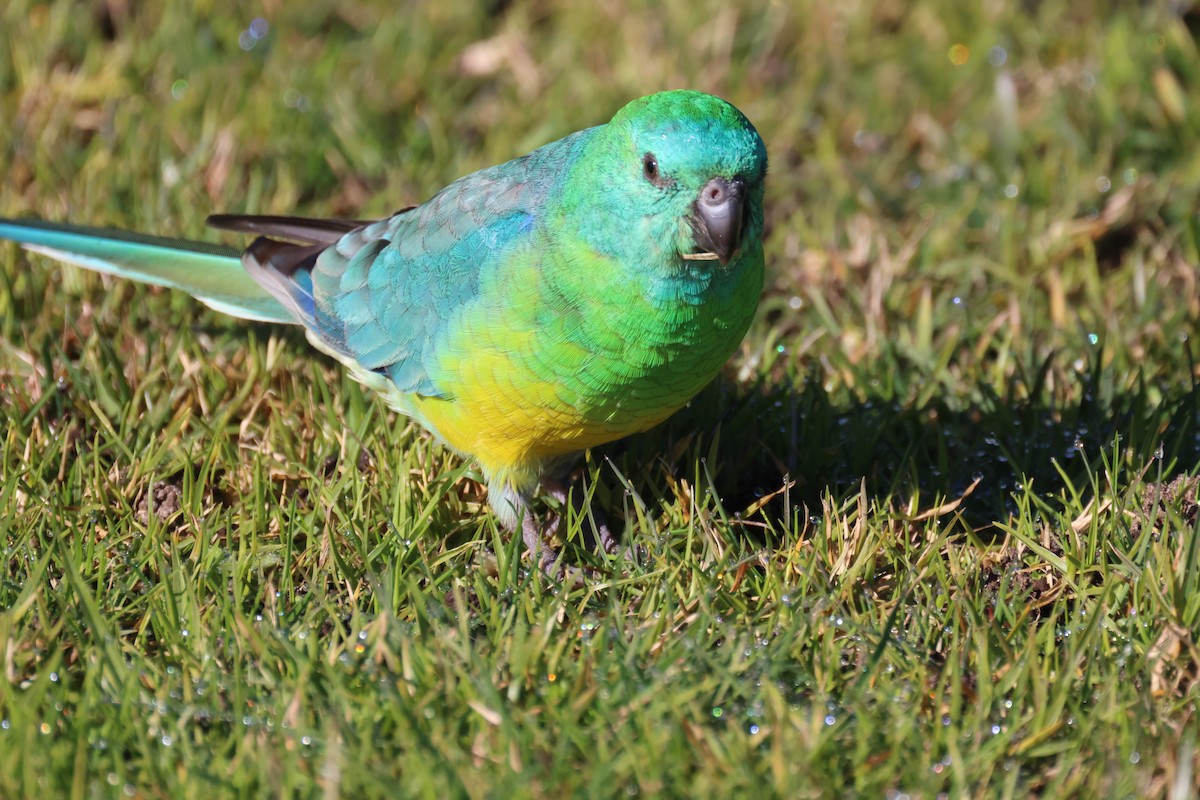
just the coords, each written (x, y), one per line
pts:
(537, 536)
(536, 547)
(597, 536)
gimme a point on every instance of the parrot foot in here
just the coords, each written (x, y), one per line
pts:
(597, 537)
(537, 535)
(536, 546)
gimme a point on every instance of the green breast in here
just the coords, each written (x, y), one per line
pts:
(643, 348)
(554, 360)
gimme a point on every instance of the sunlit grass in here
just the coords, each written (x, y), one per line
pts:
(932, 533)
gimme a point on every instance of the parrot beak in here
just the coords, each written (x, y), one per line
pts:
(717, 220)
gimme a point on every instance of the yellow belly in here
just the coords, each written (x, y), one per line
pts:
(508, 430)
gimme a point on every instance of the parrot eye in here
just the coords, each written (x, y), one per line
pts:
(650, 167)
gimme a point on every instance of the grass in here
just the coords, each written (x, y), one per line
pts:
(934, 532)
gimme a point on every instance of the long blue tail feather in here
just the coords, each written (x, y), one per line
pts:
(210, 273)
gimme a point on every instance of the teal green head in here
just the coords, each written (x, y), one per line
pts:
(674, 182)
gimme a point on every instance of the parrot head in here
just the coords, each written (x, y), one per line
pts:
(673, 181)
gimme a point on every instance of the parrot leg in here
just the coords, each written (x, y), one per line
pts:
(535, 537)
(536, 533)
(598, 538)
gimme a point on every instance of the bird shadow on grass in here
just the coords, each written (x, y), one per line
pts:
(751, 443)
(746, 443)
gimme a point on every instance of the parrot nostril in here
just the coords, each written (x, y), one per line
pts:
(720, 190)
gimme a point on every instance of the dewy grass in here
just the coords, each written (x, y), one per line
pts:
(933, 533)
